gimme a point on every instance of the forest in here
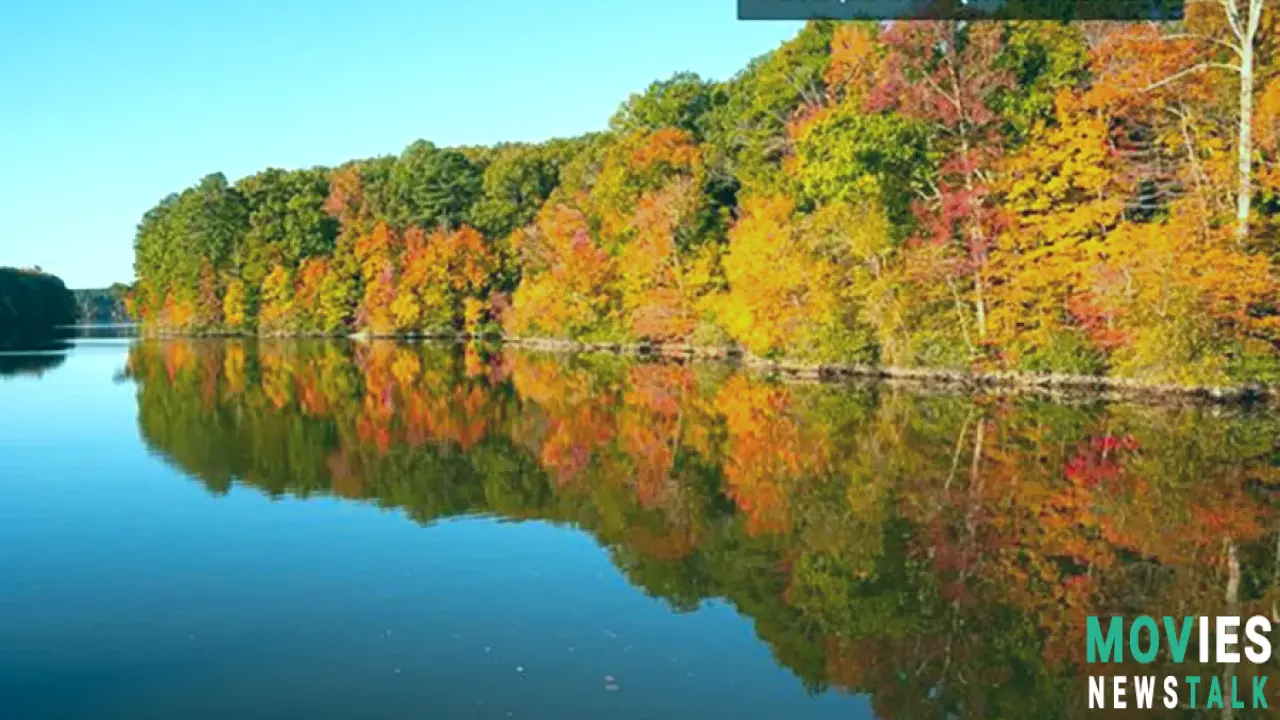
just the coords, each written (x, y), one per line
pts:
(102, 305)
(1092, 198)
(32, 303)
(940, 553)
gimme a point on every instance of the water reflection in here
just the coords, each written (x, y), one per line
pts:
(29, 363)
(938, 553)
(36, 356)
(100, 330)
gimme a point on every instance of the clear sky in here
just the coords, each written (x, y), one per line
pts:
(107, 106)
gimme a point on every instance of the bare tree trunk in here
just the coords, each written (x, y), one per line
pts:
(978, 238)
(1244, 17)
(1244, 191)
(1244, 24)
(981, 302)
(1244, 195)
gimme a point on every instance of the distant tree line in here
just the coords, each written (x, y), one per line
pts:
(32, 303)
(1095, 198)
(102, 305)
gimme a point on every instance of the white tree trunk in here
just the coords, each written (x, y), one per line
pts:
(1244, 193)
(1244, 22)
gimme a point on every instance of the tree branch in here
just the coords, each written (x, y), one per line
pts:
(1202, 38)
(1233, 17)
(1188, 71)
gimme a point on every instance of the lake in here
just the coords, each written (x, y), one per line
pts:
(227, 528)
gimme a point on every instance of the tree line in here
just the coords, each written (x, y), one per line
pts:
(1096, 198)
(32, 303)
(102, 305)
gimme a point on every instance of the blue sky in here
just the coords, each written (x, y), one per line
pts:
(105, 107)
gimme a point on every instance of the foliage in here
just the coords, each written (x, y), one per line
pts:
(684, 102)
(102, 305)
(924, 194)
(432, 187)
(32, 303)
(569, 285)
(516, 182)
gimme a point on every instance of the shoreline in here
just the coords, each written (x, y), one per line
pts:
(1053, 385)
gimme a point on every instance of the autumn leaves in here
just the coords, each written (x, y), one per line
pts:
(1016, 196)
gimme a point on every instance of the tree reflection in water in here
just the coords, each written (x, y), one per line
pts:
(939, 553)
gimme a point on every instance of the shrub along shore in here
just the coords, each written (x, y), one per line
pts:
(1000, 204)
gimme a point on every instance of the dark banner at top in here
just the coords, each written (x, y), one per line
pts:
(960, 9)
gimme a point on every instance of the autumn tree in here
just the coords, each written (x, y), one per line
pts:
(946, 75)
(787, 280)
(569, 281)
(378, 254)
(1064, 195)
(276, 312)
(747, 133)
(1172, 74)
(442, 274)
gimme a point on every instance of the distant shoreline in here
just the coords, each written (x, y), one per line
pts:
(1053, 385)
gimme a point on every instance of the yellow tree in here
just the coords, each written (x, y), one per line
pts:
(775, 287)
(276, 309)
(443, 275)
(1188, 301)
(805, 287)
(1267, 124)
(568, 287)
(1063, 196)
(660, 288)
(378, 254)
(235, 310)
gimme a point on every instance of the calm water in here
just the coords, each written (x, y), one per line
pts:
(234, 529)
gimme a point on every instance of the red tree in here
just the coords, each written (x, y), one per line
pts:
(946, 74)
